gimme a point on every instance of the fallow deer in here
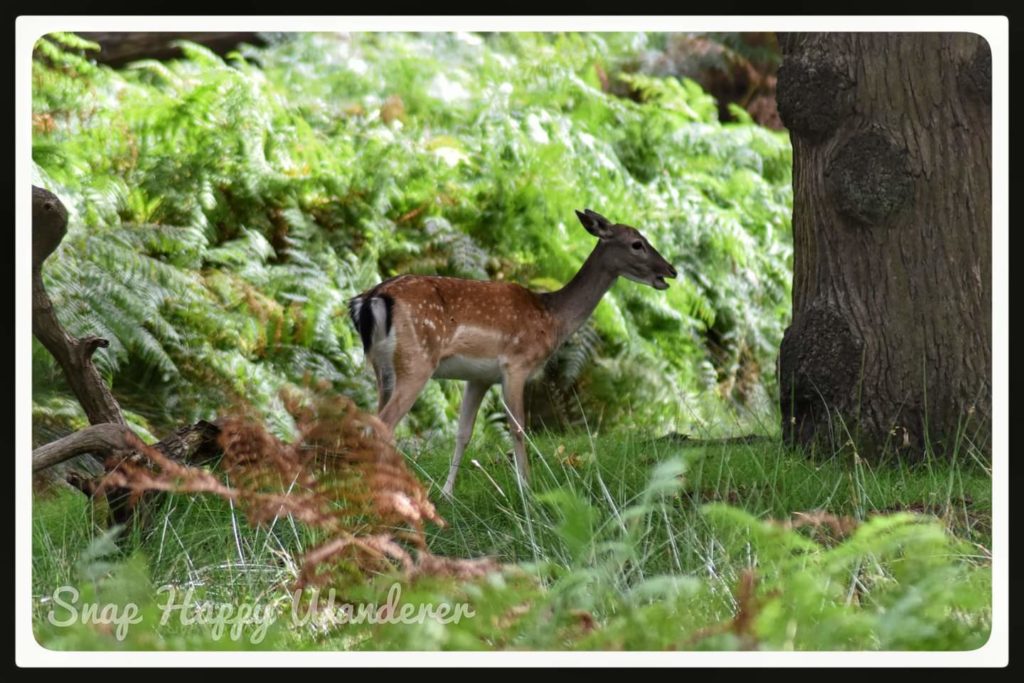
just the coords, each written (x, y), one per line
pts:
(415, 328)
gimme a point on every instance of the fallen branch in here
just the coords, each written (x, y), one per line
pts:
(687, 440)
(102, 439)
(193, 445)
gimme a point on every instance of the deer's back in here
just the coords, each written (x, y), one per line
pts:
(457, 322)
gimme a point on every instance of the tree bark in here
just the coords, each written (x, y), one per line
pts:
(95, 439)
(120, 48)
(890, 342)
(194, 445)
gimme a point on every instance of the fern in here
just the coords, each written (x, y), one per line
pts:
(222, 212)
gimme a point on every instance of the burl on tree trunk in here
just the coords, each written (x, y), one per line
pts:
(109, 439)
(891, 333)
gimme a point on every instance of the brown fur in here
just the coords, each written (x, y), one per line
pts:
(415, 327)
(438, 317)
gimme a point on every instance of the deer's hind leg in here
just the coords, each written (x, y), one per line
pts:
(471, 400)
(411, 370)
(385, 384)
(401, 400)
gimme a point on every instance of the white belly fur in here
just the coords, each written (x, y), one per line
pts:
(469, 369)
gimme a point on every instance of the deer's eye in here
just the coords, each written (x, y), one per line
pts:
(638, 245)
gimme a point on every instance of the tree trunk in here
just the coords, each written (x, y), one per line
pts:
(890, 342)
(123, 47)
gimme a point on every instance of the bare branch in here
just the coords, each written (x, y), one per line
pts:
(99, 439)
(49, 225)
(192, 445)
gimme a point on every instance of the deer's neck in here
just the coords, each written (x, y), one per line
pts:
(573, 303)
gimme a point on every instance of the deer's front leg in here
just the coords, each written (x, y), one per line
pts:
(471, 399)
(513, 383)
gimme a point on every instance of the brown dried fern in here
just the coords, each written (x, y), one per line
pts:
(342, 475)
(824, 527)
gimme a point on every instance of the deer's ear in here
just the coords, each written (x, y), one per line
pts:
(596, 224)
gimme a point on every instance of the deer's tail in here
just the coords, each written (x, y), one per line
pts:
(371, 315)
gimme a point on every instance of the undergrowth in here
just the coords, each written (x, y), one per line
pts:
(222, 210)
(623, 542)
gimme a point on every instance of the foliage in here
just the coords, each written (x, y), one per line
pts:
(342, 478)
(635, 548)
(224, 210)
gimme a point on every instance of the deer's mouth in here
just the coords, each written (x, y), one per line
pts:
(659, 282)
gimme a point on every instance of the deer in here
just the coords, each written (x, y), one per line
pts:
(420, 327)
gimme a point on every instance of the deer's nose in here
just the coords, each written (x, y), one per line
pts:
(672, 271)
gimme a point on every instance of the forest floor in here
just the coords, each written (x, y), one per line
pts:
(608, 520)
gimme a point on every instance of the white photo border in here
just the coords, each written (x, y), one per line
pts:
(995, 29)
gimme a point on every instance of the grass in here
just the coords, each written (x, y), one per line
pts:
(609, 519)
(764, 478)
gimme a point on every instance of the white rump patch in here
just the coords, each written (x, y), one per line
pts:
(380, 319)
(382, 346)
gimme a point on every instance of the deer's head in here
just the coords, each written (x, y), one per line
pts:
(625, 252)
